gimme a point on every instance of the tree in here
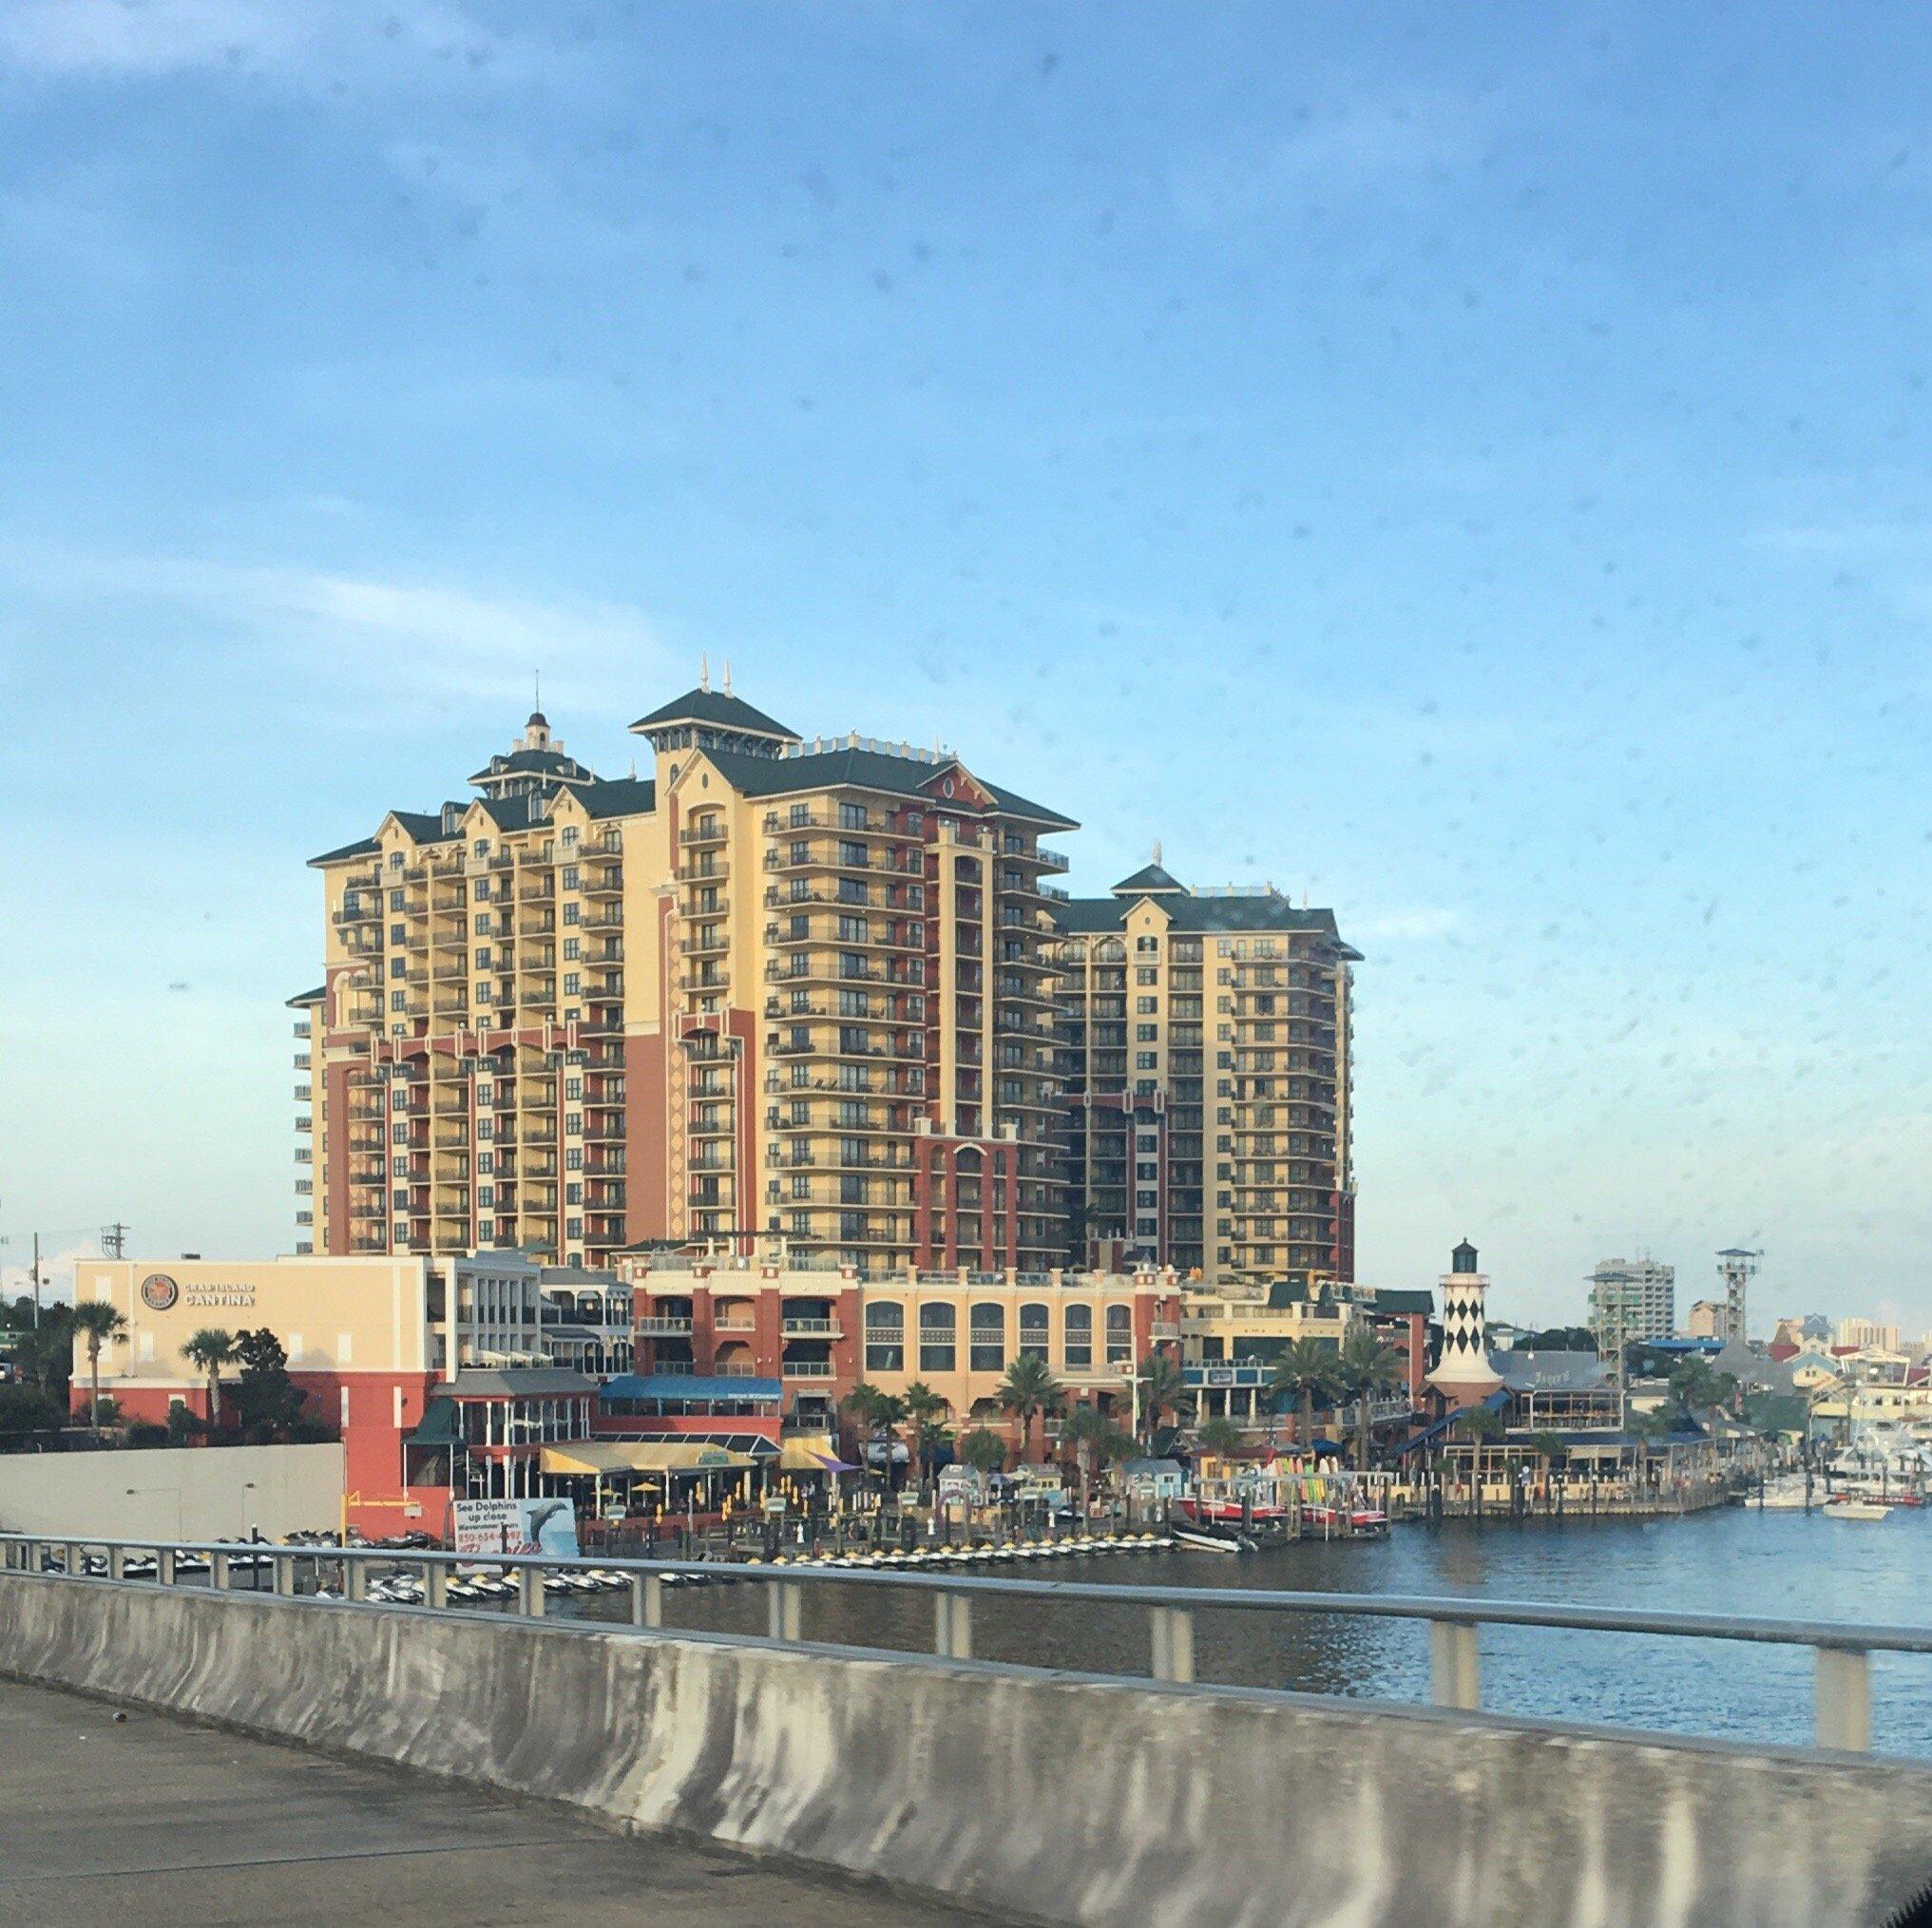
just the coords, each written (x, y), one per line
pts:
(1697, 1386)
(94, 1321)
(1164, 1389)
(211, 1348)
(1305, 1372)
(872, 1411)
(45, 1353)
(925, 1412)
(1482, 1427)
(1094, 1439)
(267, 1402)
(1221, 1437)
(1363, 1367)
(983, 1451)
(1548, 1447)
(1030, 1387)
(26, 1410)
(1646, 1428)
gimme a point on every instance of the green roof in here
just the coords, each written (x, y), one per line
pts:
(865, 770)
(717, 708)
(1237, 916)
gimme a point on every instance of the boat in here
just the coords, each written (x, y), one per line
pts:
(1205, 1541)
(1210, 1509)
(1859, 1509)
(1787, 1495)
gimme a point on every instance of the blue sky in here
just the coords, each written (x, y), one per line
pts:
(1470, 464)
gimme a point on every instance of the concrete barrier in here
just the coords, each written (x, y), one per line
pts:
(1050, 1798)
(184, 1492)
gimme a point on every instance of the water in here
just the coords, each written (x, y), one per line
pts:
(1728, 1560)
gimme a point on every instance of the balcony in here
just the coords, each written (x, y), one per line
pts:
(810, 1328)
(664, 1329)
(714, 831)
(808, 1369)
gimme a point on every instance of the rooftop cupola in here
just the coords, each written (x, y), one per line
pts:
(534, 765)
(705, 718)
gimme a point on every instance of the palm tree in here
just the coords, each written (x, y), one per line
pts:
(1029, 1388)
(983, 1451)
(211, 1348)
(96, 1320)
(1221, 1437)
(1364, 1367)
(1481, 1425)
(1305, 1372)
(1164, 1389)
(873, 1412)
(1095, 1440)
(923, 1410)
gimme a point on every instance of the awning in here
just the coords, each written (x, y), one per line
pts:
(437, 1426)
(642, 1456)
(805, 1456)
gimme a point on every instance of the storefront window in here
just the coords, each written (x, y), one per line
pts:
(938, 1326)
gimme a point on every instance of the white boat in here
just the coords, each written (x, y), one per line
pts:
(1857, 1509)
(1211, 1542)
(1787, 1495)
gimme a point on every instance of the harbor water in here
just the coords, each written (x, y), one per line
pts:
(1732, 1560)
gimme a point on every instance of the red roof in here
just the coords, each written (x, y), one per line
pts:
(1783, 1350)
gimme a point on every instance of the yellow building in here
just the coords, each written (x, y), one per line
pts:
(1207, 1049)
(772, 986)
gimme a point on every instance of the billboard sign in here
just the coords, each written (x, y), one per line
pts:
(482, 1527)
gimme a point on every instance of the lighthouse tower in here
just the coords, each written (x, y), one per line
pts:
(1464, 1374)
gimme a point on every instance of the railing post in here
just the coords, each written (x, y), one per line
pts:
(75, 1567)
(1842, 1694)
(355, 1576)
(953, 1618)
(647, 1599)
(1173, 1643)
(435, 1583)
(221, 1576)
(784, 1610)
(1455, 1666)
(530, 1591)
(281, 1574)
(117, 1561)
(164, 1566)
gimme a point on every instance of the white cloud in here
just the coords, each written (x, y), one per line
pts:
(303, 40)
(1413, 924)
(1356, 147)
(56, 1275)
(425, 639)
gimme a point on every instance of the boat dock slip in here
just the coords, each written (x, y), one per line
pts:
(141, 1815)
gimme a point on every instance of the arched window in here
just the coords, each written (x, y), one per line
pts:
(886, 1338)
(1120, 1335)
(1079, 1338)
(1035, 1323)
(986, 1346)
(938, 1351)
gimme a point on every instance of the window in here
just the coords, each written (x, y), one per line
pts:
(886, 1338)
(571, 876)
(1120, 1335)
(1035, 1323)
(572, 949)
(986, 1341)
(1079, 1338)
(570, 913)
(938, 1325)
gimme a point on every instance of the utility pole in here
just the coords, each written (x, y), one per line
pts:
(36, 1281)
(114, 1240)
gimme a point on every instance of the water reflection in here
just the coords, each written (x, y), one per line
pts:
(1783, 1565)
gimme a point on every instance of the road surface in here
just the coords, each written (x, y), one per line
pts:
(157, 1821)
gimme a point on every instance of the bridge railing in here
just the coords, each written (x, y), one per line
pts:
(1842, 1650)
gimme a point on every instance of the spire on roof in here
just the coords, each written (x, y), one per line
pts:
(727, 676)
(704, 671)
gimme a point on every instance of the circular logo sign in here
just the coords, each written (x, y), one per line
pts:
(158, 1291)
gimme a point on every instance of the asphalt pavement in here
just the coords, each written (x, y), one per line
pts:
(154, 1820)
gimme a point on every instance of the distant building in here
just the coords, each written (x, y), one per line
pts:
(1795, 1329)
(1706, 1320)
(1632, 1301)
(1862, 1334)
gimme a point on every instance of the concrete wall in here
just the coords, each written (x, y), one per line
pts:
(179, 1492)
(1044, 1797)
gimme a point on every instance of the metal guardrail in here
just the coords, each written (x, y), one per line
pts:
(1841, 1649)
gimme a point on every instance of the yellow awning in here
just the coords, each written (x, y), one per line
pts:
(808, 1455)
(642, 1456)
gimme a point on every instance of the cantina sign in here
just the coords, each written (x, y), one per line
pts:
(159, 1293)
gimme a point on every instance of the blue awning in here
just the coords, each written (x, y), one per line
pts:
(691, 1389)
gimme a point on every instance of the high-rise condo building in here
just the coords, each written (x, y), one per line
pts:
(1205, 1050)
(773, 986)
(1632, 1301)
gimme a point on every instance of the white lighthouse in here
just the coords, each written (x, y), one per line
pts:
(1464, 1374)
